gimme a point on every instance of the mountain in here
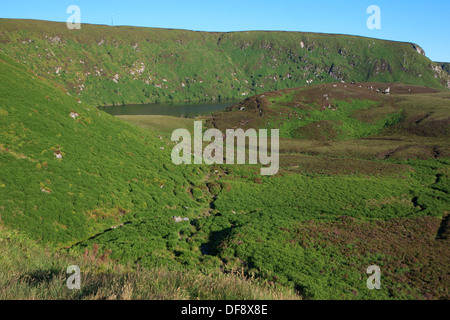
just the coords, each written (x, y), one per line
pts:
(104, 65)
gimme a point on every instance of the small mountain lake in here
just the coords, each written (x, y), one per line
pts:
(184, 110)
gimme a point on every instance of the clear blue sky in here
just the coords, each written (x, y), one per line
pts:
(423, 22)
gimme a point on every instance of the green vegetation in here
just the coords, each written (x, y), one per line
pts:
(265, 226)
(337, 111)
(364, 176)
(27, 271)
(278, 228)
(376, 195)
(110, 172)
(104, 65)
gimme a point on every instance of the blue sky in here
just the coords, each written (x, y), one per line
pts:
(426, 23)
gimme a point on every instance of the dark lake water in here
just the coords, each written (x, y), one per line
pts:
(185, 110)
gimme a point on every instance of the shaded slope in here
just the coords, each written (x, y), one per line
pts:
(445, 66)
(342, 111)
(28, 271)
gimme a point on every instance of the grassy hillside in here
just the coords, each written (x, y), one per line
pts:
(115, 65)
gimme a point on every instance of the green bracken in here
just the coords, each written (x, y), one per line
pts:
(364, 176)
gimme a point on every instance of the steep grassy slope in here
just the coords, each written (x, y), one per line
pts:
(115, 65)
(110, 172)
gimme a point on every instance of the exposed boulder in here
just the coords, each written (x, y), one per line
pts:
(73, 114)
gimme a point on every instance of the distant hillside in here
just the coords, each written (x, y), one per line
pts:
(342, 111)
(69, 171)
(114, 65)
